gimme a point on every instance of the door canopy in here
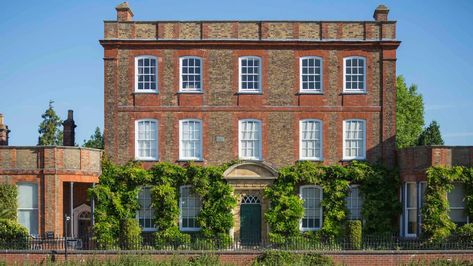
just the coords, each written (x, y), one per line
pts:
(250, 171)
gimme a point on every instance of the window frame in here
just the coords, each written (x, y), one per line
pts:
(458, 208)
(407, 209)
(146, 229)
(260, 74)
(181, 146)
(301, 85)
(181, 87)
(36, 210)
(307, 229)
(348, 158)
(321, 124)
(360, 199)
(260, 142)
(137, 155)
(137, 58)
(181, 228)
(353, 91)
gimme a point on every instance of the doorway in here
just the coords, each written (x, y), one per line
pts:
(250, 220)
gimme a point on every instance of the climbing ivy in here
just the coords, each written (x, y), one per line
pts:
(436, 223)
(117, 200)
(379, 187)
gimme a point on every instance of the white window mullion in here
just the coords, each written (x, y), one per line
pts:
(146, 140)
(354, 139)
(250, 139)
(190, 140)
(250, 74)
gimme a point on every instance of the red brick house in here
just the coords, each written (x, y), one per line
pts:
(269, 93)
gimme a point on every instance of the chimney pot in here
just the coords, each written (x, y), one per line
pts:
(124, 12)
(381, 13)
(69, 136)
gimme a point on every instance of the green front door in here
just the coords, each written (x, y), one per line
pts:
(250, 224)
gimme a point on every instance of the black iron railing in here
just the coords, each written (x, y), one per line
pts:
(148, 242)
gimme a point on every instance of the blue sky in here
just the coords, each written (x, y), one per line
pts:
(50, 50)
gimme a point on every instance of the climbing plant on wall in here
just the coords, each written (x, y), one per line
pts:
(436, 223)
(117, 200)
(378, 185)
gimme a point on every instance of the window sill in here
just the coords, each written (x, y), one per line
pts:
(146, 160)
(189, 229)
(190, 92)
(310, 93)
(354, 93)
(190, 160)
(309, 229)
(249, 92)
(311, 160)
(250, 160)
(146, 92)
(353, 159)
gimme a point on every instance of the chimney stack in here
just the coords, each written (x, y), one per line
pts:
(124, 12)
(381, 13)
(69, 137)
(3, 132)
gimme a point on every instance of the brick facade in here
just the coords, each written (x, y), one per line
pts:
(280, 106)
(50, 168)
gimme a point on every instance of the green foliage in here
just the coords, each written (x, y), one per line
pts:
(130, 234)
(431, 135)
(354, 234)
(463, 235)
(8, 201)
(13, 235)
(437, 225)
(117, 200)
(96, 140)
(50, 132)
(285, 258)
(378, 186)
(409, 114)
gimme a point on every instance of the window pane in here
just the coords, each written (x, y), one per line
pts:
(250, 134)
(250, 74)
(312, 208)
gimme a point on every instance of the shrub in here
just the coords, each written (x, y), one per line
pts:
(8, 201)
(353, 233)
(130, 234)
(463, 236)
(171, 237)
(13, 235)
(284, 258)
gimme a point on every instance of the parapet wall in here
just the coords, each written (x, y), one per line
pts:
(252, 30)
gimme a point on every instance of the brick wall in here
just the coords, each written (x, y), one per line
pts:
(349, 258)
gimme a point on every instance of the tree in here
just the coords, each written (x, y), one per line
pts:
(50, 132)
(431, 135)
(409, 115)
(95, 141)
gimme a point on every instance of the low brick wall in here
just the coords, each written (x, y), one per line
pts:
(348, 258)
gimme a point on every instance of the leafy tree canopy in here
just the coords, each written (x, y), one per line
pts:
(409, 115)
(96, 140)
(431, 135)
(50, 132)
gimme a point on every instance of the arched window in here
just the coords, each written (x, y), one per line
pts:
(146, 139)
(190, 136)
(310, 74)
(146, 74)
(312, 197)
(354, 139)
(310, 136)
(250, 139)
(354, 78)
(250, 74)
(191, 74)
(189, 209)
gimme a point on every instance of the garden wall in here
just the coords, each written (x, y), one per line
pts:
(348, 258)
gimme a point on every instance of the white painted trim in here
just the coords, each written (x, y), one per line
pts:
(181, 156)
(145, 229)
(260, 133)
(321, 90)
(75, 213)
(345, 157)
(321, 136)
(260, 74)
(345, 90)
(185, 229)
(321, 208)
(360, 198)
(137, 157)
(181, 88)
(406, 210)
(136, 74)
